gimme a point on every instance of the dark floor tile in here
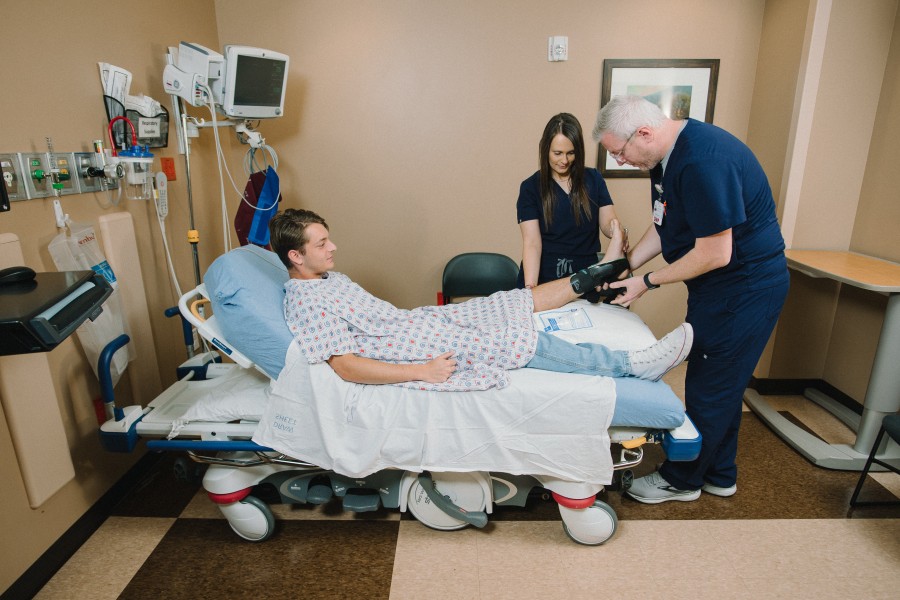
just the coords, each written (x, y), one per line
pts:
(774, 482)
(203, 558)
(164, 490)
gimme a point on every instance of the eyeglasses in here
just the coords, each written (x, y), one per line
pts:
(618, 155)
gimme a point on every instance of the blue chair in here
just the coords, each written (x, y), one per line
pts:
(477, 274)
(890, 425)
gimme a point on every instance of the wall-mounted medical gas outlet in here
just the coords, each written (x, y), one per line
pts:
(91, 176)
(63, 176)
(13, 181)
(36, 174)
(28, 175)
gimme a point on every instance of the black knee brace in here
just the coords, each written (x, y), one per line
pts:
(596, 275)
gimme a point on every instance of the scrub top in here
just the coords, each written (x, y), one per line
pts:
(713, 182)
(567, 247)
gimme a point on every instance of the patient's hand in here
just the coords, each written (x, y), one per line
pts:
(439, 370)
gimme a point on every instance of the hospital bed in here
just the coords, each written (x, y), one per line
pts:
(267, 417)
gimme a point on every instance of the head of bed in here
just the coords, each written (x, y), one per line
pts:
(246, 290)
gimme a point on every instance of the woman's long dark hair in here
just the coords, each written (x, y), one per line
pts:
(568, 125)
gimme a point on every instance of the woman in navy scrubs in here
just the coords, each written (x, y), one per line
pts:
(714, 223)
(562, 208)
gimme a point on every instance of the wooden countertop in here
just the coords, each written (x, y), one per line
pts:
(858, 270)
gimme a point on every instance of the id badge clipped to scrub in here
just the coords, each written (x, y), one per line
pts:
(659, 211)
(659, 206)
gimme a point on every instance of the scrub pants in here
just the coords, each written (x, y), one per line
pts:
(730, 335)
(555, 354)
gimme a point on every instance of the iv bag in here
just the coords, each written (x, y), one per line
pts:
(78, 250)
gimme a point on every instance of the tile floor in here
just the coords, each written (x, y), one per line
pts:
(787, 533)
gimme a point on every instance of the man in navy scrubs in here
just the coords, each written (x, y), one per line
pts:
(714, 223)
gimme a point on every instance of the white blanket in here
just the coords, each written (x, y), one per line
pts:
(535, 426)
(544, 423)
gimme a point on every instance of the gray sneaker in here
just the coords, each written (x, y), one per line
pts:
(722, 492)
(653, 489)
(655, 361)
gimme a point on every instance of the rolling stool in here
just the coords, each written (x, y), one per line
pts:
(891, 426)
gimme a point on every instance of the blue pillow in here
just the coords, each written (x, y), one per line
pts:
(246, 290)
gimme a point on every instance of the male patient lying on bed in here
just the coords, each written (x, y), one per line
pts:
(457, 347)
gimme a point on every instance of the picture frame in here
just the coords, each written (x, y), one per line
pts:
(680, 87)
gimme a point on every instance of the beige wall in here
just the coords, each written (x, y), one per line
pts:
(859, 315)
(780, 53)
(51, 87)
(842, 201)
(411, 124)
(408, 125)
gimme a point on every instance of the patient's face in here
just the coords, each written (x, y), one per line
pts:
(319, 257)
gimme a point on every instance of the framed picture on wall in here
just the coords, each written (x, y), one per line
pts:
(680, 87)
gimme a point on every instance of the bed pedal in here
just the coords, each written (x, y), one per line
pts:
(362, 502)
(319, 494)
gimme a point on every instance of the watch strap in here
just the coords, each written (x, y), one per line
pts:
(650, 286)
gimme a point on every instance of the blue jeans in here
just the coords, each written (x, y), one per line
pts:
(555, 354)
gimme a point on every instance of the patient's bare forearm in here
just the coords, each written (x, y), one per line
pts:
(554, 294)
(358, 369)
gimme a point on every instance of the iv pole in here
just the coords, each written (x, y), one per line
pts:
(184, 147)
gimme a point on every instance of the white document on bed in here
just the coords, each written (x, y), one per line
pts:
(541, 424)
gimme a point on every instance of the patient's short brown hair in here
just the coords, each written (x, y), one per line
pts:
(288, 231)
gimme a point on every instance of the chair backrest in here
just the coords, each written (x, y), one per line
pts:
(478, 274)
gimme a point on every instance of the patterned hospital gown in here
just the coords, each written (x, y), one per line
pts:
(488, 336)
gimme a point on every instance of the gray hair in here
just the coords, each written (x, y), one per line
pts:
(623, 115)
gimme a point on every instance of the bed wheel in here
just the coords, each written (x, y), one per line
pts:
(590, 526)
(251, 518)
(187, 470)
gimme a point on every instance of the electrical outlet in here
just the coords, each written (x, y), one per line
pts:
(13, 182)
(36, 174)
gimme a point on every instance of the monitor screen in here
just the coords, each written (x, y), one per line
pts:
(258, 81)
(255, 81)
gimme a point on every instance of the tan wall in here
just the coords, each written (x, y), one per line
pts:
(859, 315)
(780, 51)
(408, 125)
(843, 199)
(51, 87)
(411, 124)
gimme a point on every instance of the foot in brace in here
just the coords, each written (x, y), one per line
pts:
(655, 361)
(613, 265)
(595, 276)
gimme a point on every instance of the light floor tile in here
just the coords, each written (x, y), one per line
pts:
(105, 564)
(817, 558)
(812, 550)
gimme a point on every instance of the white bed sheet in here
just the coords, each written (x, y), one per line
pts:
(541, 424)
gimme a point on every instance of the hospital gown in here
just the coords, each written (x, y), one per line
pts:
(488, 336)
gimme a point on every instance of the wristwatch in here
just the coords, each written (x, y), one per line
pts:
(650, 286)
